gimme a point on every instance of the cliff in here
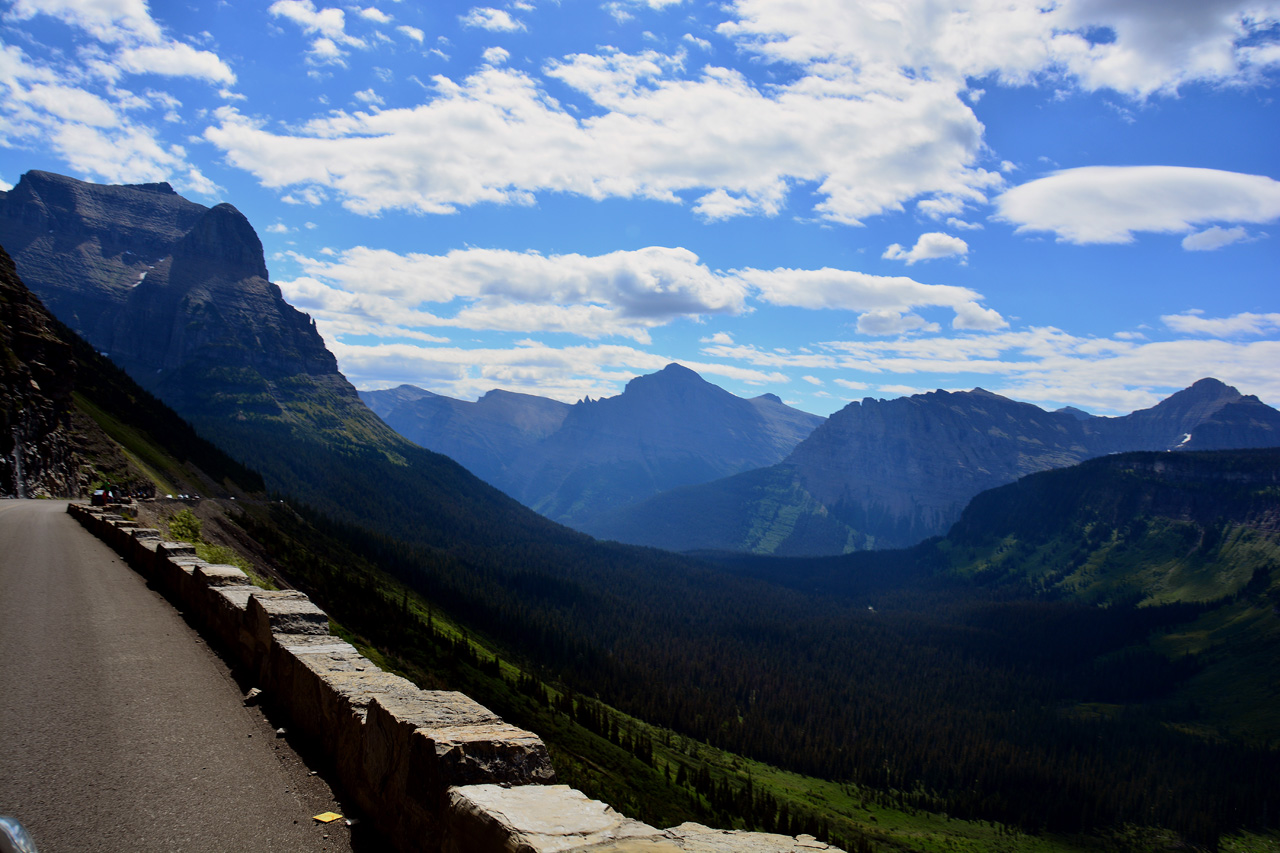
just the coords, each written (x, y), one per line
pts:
(37, 375)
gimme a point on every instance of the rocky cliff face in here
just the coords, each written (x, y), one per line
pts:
(36, 380)
(177, 294)
(902, 470)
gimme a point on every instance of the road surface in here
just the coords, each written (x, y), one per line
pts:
(119, 729)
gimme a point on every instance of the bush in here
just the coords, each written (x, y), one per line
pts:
(185, 526)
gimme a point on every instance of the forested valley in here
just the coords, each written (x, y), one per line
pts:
(976, 693)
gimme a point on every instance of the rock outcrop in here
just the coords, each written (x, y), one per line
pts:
(176, 293)
(36, 380)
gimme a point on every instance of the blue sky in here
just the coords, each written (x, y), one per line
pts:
(1071, 202)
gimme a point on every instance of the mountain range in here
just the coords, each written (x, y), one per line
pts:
(574, 462)
(889, 473)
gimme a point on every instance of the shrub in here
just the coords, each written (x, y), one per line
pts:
(185, 526)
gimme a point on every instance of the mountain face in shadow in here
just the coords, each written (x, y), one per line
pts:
(487, 437)
(890, 473)
(177, 294)
(572, 463)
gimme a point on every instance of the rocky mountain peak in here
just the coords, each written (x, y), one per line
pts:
(224, 236)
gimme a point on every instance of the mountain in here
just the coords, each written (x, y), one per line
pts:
(667, 429)
(486, 437)
(572, 463)
(71, 421)
(889, 473)
(210, 335)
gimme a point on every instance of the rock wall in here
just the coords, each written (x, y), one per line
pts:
(434, 770)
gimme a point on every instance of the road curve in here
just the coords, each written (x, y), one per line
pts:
(119, 728)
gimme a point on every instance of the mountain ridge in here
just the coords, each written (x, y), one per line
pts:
(889, 473)
(572, 462)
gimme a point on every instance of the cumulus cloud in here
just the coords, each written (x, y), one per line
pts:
(176, 60)
(1108, 204)
(928, 247)
(882, 323)
(1152, 47)
(328, 26)
(1238, 325)
(412, 32)
(564, 373)
(1042, 364)
(109, 21)
(498, 137)
(886, 303)
(623, 293)
(46, 107)
(493, 20)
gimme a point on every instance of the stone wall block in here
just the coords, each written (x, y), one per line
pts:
(205, 578)
(141, 552)
(696, 838)
(542, 819)
(344, 704)
(228, 622)
(170, 577)
(284, 611)
(293, 676)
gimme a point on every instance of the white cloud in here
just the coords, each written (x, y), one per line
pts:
(176, 60)
(700, 43)
(330, 23)
(623, 293)
(498, 137)
(372, 13)
(885, 302)
(412, 32)
(109, 21)
(927, 248)
(1194, 323)
(812, 380)
(1107, 204)
(493, 20)
(1213, 238)
(568, 373)
(369, 96)
(1044, 364)
(46, 108)
(882, 322)
(974, 317)
(329, 26)
(496, 55)
(1157, 47)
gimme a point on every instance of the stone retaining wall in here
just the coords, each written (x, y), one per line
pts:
(434, 770)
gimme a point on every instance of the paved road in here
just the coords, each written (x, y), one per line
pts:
(119, 729)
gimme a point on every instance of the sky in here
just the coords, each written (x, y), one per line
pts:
(1068, 202)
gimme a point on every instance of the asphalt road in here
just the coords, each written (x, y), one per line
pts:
(119, 729)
